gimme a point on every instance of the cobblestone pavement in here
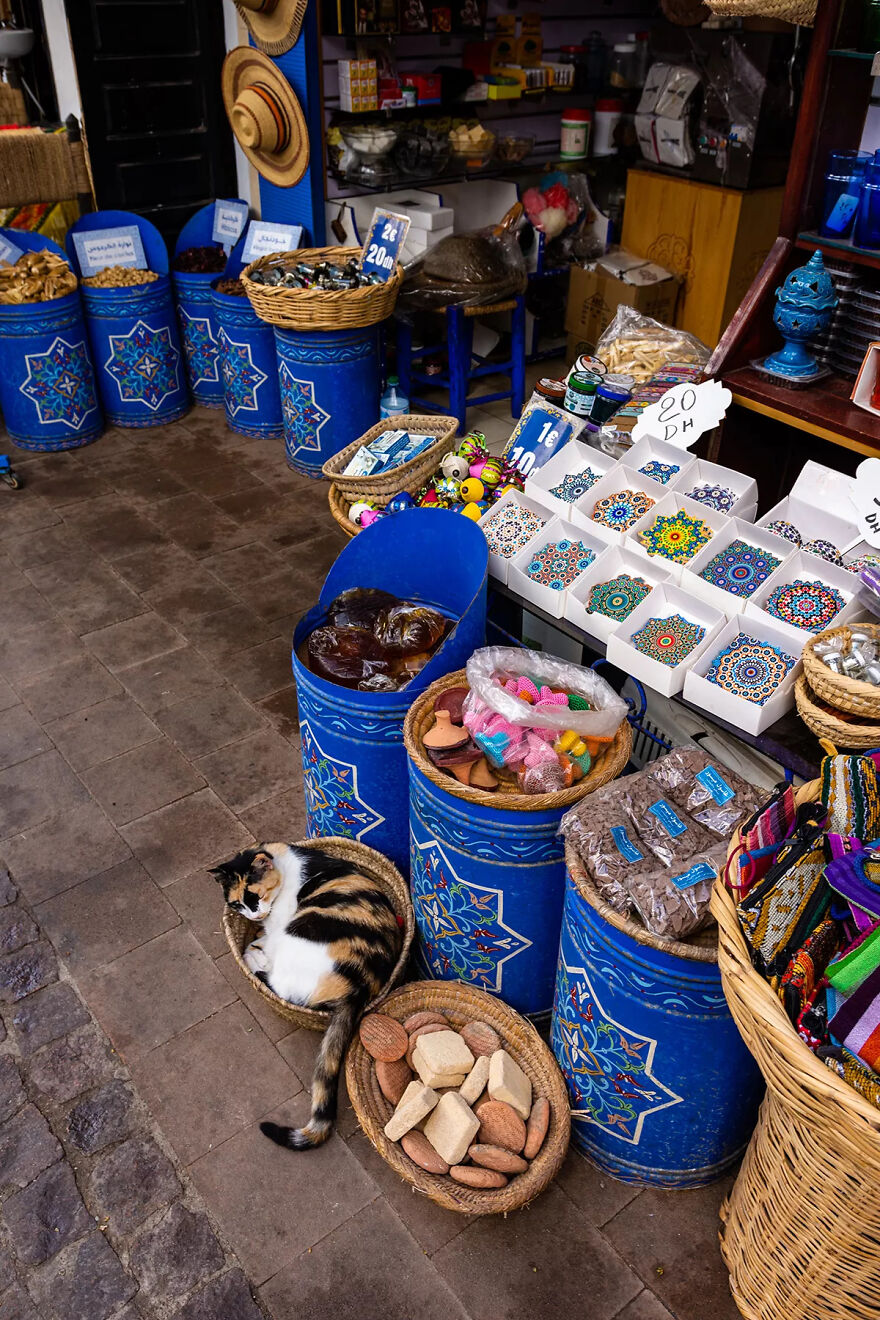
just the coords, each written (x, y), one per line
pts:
(148, 728)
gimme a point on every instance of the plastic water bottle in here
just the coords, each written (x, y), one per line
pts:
(394, 402)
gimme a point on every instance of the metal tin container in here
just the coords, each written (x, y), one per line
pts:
(249, 367)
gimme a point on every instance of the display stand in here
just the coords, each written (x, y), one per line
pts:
(196, 310)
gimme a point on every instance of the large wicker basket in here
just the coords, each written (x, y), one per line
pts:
(339, 507)
(420, 717)
(320, 309)
(855, 733)
(408, 476)
(801, 1235)
(461, 1004)
(240, 931)
(851, 694)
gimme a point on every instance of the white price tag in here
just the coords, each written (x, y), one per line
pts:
(263, 239)
(866, 498)
(229, 221)
(98, 248)
(684, 413)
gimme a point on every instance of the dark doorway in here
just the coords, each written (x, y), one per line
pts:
(149, 77)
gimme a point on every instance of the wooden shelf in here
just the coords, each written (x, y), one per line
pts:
(824, 410)
(842, 249)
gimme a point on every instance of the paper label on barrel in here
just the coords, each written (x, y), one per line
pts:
(671, 823)
(96, 249)
(713, 782)
(9, 252)
(687, 879)
(230, 217)
(625, 846)
(263, 239)
(842, 212)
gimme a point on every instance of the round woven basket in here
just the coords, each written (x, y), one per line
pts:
(801, 1235)
(789, 11)
(463, 1004)
(320, 309)
(408, 476)
(843, 733)
(339, 507)
(239, 931)
(839, 690)
(420, 717)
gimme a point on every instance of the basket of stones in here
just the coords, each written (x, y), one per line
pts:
(459, 1094)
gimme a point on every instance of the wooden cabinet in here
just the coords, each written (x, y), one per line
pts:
(715, 239)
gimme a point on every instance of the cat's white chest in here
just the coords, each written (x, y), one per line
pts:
(293, 966)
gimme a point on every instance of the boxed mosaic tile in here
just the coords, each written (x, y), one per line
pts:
(652, 458)
(662, 613)
(760, 659)
(551, 564)
(508, 526)
(734, 565)
(616, 503)
(616, 562)
(573, 461)
(741, 491)
(675, 531)
(805, 595)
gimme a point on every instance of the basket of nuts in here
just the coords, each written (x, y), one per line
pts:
(461, 1096)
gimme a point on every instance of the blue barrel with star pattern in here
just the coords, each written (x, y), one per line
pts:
(251, 394)
(200, 335)
(663, 1091)
(47, 381)
(330, 383)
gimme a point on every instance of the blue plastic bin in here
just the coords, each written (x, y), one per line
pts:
(251, 395)
(329, 391)
(354, 761)
(663, 1090)
(47, 381)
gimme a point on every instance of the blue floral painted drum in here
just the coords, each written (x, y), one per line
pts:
(199, 332)
(136, 351)
(47, 382)
(249, 366)
(329, 392)
(663, 1090)
(353, 756)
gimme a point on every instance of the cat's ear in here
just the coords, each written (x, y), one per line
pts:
(219, 873)
(261, 864)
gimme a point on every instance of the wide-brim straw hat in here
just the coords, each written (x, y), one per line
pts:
(273, 24)
(265, 116)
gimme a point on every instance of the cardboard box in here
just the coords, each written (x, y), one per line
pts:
(754, 718)
(594, 296)
(867, 379)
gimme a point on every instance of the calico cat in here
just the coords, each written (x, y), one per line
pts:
(330, 939)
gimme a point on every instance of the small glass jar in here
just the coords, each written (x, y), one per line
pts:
(840, 199)
(622, 69)
(867, 227)
(577, 56)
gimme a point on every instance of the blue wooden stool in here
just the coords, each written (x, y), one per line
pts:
(459, 350)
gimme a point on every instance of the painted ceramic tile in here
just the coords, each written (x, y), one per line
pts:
(807, 604)
(618, 597)
(622, 509)
(826, 550)
(750, 669)
(741, 568)
(575, 484)
(787, 530)
(863, 561)
(557, 564)
(668, 640)
(510, 529)
(717, 497)
(676, 536)
(662, 472)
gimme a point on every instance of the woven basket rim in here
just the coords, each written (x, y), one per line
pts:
(823, 725)
(528, 1049)
(583, 883)
(320, 309)
(852, 694)
(379, 868)
(394, 480)
(608, 767)
(339, 507)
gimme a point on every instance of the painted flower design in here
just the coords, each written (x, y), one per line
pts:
(676, 536)
(60, 383)
(144, 363)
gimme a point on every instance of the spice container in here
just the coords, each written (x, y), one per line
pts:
(622, 68)
(574, 138)
(610, 396)
(552, 391)
(580, 393)
(606, 117)
(576, 55)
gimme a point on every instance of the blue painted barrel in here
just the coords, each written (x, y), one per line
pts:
(199, 330)
(47, 382)
(354, 761)
(663, 1090)
(329, 391)
(251, 395)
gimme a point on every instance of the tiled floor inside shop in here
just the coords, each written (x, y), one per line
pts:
(148, 588)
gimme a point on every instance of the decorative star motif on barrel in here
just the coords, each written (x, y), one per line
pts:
(59, 382)
(144, 364)
(303, 415)
(241, 377)
(201, 348)
(331, 787)
(461, 926)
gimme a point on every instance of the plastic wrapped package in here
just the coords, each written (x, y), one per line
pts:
(602, 835)
(639, 346)
(488, 668)
(469, 270)
(717, 797)
(665, 830)
(372, 641)
(675, 903)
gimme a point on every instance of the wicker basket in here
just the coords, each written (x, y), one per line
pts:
(461, 1004)
(841, 732)
(788, 11)
(420, 717)
(240, 931)
(408, 476)
(320, 309)
(339, 507)
(801, 1235)
(838, 690)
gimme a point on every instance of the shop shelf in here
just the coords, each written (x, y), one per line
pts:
(809, 240)
(536, 163)
(824, 410)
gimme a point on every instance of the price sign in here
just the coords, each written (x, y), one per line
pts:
(539, 434)
(866, 498)
(98, 248)
(8, 251)
(263, 238)
(229, 220)
(387, 236)
(684, 413)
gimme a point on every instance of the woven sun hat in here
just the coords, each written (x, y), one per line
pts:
(265, 116)
(273, 24)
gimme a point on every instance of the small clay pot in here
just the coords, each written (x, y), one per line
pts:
(445, 734)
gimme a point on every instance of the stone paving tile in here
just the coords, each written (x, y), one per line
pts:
(53, 856)
(597, 1196)
(200, 594)
(85, 1282)
(33, 650)
(133, 641)
(43, 1218)
(228, 631)
(196, 831)
(26, 608)
(27, 1147)
(68, 687)
(145, 569)
(101, 732)
(196, 525)
(44, 547)
(274, 1025)
(290, 591)
(202, 724)
(278, 818)
(86, 593)
(249, 771)
(645, 1307)
(115, 529)
(226, 1298)
(260, 670)
(46, 1016)
(171, 678)
(282, 710)
(240, 568)
(430, 1224)
(8, 695)
(35, 790)
(130, 1183)
(21, 737)
(199, 901)
(30, 514)
(141, 781)
(175, 1254)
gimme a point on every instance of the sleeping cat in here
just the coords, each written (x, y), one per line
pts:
(330, 940)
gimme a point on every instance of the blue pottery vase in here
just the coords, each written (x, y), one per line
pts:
(804, 303)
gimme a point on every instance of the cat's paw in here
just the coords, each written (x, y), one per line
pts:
(255, 959)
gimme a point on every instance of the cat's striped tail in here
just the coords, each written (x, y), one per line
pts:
(325, 1082)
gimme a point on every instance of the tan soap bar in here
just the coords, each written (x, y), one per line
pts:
(445, 1052)
(416, 1101)
(451, 1128)
(508, 1082)
(475, 1082)
(434, 1079)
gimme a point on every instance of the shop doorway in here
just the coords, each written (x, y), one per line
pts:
(149, 77)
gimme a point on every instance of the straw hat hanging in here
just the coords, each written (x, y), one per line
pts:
(265, 116)
(790, 11)
(273, 24)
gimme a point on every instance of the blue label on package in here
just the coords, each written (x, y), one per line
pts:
(687, 879)
(668, 819)
(387, 236)
(625, 846)
(842, 212)
(713, 782)
(96, 249)
(539, 434)
(263, 239)
(229, 220)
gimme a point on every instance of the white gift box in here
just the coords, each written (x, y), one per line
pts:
(620, 477)
(674, 502)
(810, 569)
(750, 716)
(498, 564)
(573, 457)
(820, 506)
(737, 530)
(665, 600)
(649, 450)
(616, 560)
(549, 599)
(704, 473)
